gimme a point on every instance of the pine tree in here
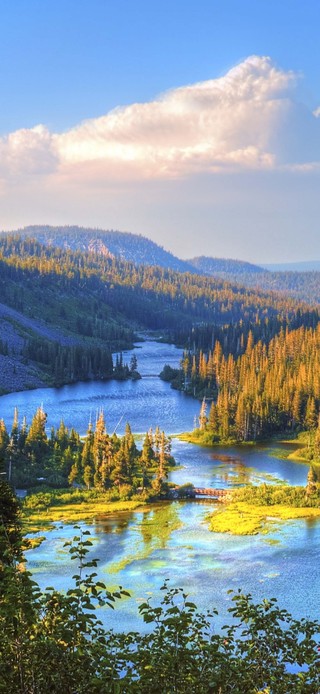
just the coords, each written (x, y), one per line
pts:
(87, 464)
(37, 444)
(311, 487)
(203, 415)
(99, 450)
(164, 456)
(133, 363)
(146, 460)
(62, 436)
(311, 418)
(317, 441)
(213, 421)
(88, 476)
(4, 440)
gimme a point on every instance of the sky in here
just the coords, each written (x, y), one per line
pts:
(196, 124)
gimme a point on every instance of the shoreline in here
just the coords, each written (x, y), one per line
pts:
(295, 455)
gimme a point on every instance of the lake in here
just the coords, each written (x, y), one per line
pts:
(144, 403)
(140, 549)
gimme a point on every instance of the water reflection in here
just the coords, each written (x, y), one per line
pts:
(142, 548)
(150, 531)
(145, 403)
(114, 523)
(231, 467)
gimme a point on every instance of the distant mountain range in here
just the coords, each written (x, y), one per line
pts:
(302, 283)
(224, 266)
(306, 266)
(300, 280)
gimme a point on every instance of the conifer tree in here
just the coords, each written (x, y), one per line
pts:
(311, 487)
(4, 440)
(146, 459)
(203, 415)
(164, 455)
(87, 464)
(99, 447)
(37, 441)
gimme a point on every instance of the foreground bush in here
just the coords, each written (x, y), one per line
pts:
(54, 642)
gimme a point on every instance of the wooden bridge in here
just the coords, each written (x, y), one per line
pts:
(191, 492)
(209, 491)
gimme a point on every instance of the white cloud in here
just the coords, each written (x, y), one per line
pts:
(247, 119)
(27, 152)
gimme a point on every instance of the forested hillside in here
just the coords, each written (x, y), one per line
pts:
(271, 387)
(134, 248)
(53, 332)
(302, 285)
(70, 309)
(140, 250)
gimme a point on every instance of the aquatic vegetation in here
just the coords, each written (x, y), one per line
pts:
(240, 519)
(155, 529)
(32, 542)
(272, 541)
(58, 643)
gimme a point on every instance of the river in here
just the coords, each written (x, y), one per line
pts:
(140, 549)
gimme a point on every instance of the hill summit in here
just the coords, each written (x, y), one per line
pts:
(133, 248)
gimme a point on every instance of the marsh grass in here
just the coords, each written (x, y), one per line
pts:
(243, 518)
(42, 511)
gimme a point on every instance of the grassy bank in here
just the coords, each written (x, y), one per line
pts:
(244, 519)
(87, 510)
(40, 511)
(256, 510)
(301, 450)
(205, 438)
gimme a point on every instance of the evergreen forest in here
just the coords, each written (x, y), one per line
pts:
(252, 359)
(64, 312)
(271, 387)
(100, 461)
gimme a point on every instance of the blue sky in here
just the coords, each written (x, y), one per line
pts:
(230, 168)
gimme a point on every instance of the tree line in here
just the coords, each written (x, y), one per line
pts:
(77, 362)
(99, 461)
(156, 297)
(270, 388)
(93, 301)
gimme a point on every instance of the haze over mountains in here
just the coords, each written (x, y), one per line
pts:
(303, 266)
(224, 266)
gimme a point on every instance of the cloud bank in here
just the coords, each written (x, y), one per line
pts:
(246, 120)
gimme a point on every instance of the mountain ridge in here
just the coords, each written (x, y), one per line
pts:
(139, 250)
(125, 245)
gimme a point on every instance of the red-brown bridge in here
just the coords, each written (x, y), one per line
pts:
(190, 492)
(209, 491)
